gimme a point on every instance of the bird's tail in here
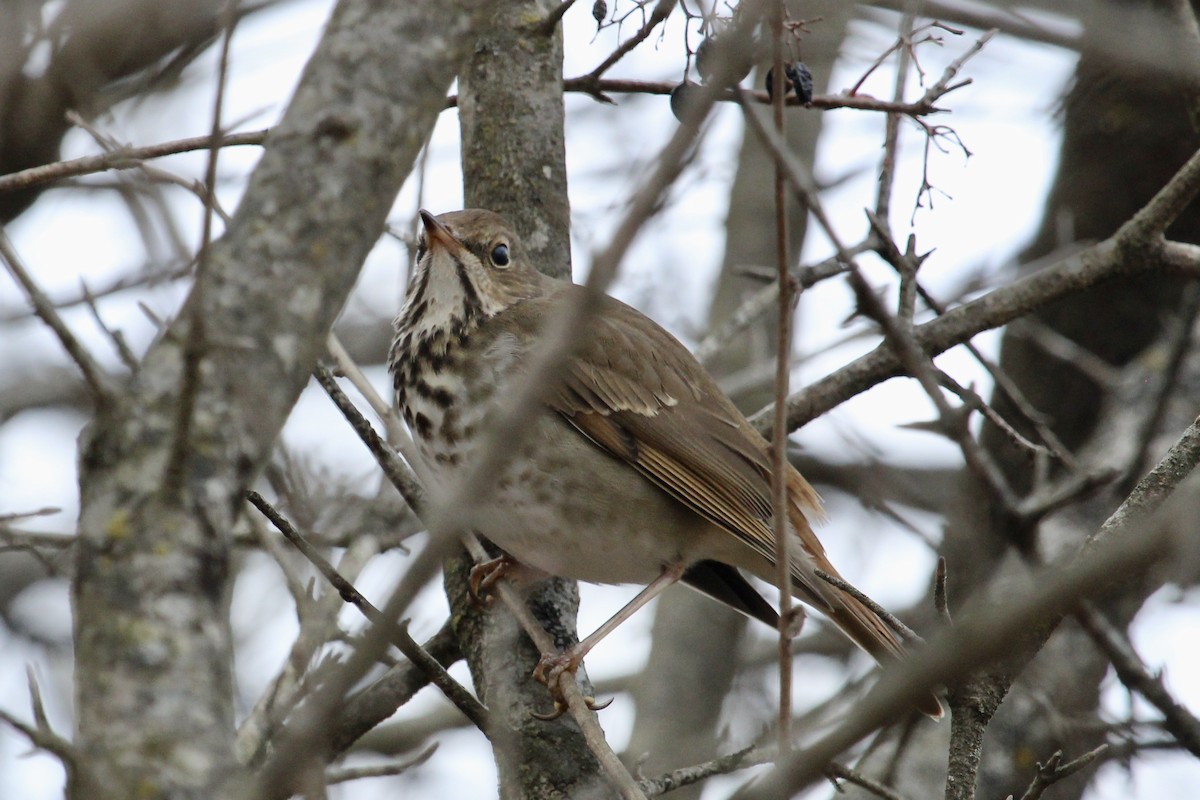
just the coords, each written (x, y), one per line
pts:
(855, 619)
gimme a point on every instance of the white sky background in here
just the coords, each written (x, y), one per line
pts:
(1005, 118)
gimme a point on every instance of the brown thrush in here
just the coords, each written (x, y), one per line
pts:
(639, 470)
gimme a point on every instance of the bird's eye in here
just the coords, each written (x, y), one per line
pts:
(500, 255)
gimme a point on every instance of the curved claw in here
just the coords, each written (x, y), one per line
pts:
(594, 706)
(547, 672)
(484, 576)
(560, 708)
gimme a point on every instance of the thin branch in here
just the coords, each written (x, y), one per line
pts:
(723, 765)
(1126, 545)
(93, 373)
(438, 675)
(1009, 387)
(118, 341)
(1180, 341)
(393, 467)
(891, 142)
(858, 779)
(121, 158)
(41, 735)
(599, 88)
(1133, 248)
(196, 343)
(397, 435)
(1003, 18)
(757, 304)
(905, 632)
(1177, 720)
(46, 740)
(547, 26)
(345, 774)
(1054, 770)
(941, 601)
(780, 467)
(662, 10)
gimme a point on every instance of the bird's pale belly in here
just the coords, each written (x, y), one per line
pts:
(560, 503)
(560, 506)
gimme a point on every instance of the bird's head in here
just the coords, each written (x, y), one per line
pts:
(470, 266)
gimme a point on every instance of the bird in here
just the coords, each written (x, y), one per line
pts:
(637, 467)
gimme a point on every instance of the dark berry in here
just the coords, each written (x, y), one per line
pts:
(599, 11)
(681, 97)
(800, 80)
(706, 62)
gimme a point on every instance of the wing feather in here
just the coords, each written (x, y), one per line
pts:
(636, 392)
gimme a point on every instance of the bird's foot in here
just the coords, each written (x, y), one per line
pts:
(483, 577)
(550, 670)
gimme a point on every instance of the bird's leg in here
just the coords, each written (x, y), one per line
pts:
(483, 577)
(551, 667)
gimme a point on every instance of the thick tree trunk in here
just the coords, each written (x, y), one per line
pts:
(514, 162)
(165, 463)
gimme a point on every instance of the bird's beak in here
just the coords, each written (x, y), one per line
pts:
(439, 234)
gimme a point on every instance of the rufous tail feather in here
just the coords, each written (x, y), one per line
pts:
(862, 625)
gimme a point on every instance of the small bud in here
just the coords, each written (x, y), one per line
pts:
(599, 11)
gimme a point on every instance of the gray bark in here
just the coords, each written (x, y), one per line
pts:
(514, 162)
(165, 463)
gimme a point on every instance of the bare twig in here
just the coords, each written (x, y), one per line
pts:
(1124, 546)
(1180, 342)
(345, 774)
(756, 304)
(118, 341)
(858, 779)
(1136, 246)
(905, 632)
(1177, 720)
(196, 344)
(41, 735)
(601, 87)
(121, 158)
(393, 467)
(1054, 770)
(891, 141)
(93, 373)
(399, 635)
(662, 10)
(552, 19)
(397, 435)
(1008, 386)
(783, 351)
(723, 765)
(941, 602)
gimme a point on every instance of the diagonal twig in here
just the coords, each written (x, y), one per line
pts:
(438, 675)
(93, 373)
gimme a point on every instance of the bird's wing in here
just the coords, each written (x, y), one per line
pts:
(636, 392)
